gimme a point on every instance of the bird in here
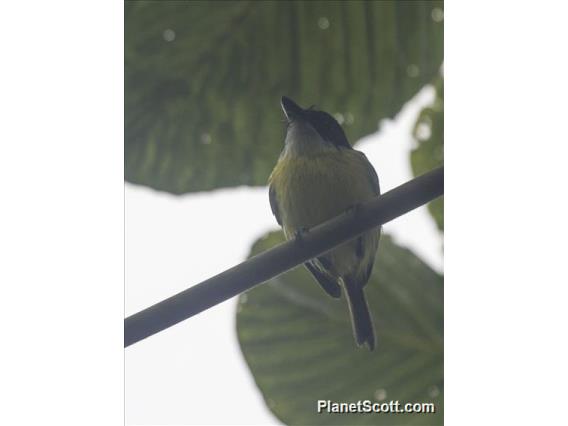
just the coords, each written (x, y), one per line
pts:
(318, 176)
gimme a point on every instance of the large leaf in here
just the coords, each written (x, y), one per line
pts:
(429, 154)
(299, 346)
(203, 79)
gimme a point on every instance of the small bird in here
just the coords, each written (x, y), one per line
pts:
(317, 177)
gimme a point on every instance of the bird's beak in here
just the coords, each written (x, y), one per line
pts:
(290, 108)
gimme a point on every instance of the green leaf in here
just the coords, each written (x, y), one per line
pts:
(203, 80)
(299, 346)
(429, 154)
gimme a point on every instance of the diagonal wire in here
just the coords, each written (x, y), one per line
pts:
(283, 257)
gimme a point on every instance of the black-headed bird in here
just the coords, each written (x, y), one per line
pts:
(317, 177)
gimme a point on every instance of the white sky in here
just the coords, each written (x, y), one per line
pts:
(194, 373)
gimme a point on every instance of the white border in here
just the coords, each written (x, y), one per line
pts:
(61, 173)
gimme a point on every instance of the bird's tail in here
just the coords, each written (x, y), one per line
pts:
(360, 315)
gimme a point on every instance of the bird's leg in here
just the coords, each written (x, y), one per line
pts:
(299, 234)
(353, 209)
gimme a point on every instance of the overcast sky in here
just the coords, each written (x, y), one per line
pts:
(194, 373)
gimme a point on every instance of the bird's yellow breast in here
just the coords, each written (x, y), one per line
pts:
(313, 189)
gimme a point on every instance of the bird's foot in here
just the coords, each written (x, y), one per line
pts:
(353, 209)
(299, 235)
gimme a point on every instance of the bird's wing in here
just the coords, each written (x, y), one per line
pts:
(373, 175)
(372, 238)
(325, 280)
(274, 204)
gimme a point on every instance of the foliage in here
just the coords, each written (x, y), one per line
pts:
(203, 79)
(429, 153)
(299, 346)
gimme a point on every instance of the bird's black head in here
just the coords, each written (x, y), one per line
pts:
(326, 126)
